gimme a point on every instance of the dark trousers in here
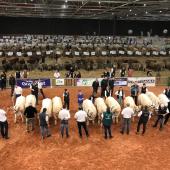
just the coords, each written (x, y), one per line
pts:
(4, 129)
(12, 90)
(111, 90)
(67, 104)
(135, 99)
(44, 131)
(95, 90)
(42, 93)
(102, 92)
(126, 125)
(161, 120)
(82, 124)
(107, 129)
(64, 126)
(166, 118)
(144, 126)
(3, 84)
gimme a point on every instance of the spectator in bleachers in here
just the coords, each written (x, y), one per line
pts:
(57, 74)
(113, 71)
(122, 72)
(17, 74)
(24, 74)
(149, 73)
(78, 75)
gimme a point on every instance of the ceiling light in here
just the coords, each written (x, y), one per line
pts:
(99, 2)
(160, 11)
(135, 14)
(130, 10)
(66, 1)
(144, 4)
(146, 12)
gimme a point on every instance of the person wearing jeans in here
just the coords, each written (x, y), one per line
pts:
(43, 118)
(64, 116)
(29, 113)
(127, 114)
(162, 111)
(144, 117)
(107, 122)
(81, 117)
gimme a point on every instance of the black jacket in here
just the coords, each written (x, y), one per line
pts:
(30, 112)
(95, 84)
(111, 83)
(12, 81)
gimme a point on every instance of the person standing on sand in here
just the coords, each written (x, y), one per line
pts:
(3, 124)
(81, 117)
(64, 116)
(43, 117)
(107, 122)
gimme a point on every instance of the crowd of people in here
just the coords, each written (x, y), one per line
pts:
(107, 89)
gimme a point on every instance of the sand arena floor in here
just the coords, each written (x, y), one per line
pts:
(26, 151)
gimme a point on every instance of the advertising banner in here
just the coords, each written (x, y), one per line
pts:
(60, 82)
(25, 83)
(149, 81)
(89, 81)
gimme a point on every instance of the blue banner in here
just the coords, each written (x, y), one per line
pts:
(25, 83)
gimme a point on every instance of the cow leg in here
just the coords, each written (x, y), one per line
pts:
(55, 119)
(15, 118)
(116, 120)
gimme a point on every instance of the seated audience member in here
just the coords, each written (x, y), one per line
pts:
(78, 75)
(17, 75)
(57, 74)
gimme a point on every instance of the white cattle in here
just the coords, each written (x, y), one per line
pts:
(90, 109)
(101, 107)
(114, 107)
(57, 106)
(19, 107)
(30, 100)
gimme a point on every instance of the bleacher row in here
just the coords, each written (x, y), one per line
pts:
(31, 45)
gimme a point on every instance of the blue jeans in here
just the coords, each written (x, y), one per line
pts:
(62, 127)
(126, 125)
(44, 131)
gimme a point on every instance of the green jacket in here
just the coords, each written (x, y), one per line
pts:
(107, 118)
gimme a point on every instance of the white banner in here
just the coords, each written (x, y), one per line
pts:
(59, 82)
(89, 81)
(149, 81)
(85, 81)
